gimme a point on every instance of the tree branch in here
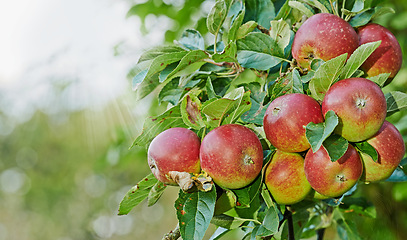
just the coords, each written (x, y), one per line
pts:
(289, 216)
(173, 235)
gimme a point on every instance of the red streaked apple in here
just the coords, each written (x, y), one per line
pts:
(360, 105)
(285, 120)
(323, 36)
(387, 58)
(232, 155)
(332, 179)
(390, 147)
(175, 149)
(285, 178)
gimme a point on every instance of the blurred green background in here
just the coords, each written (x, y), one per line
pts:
(65, 161)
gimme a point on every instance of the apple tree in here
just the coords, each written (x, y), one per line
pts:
(273, 119)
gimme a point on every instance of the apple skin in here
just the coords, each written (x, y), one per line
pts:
(232, 155)
(360, 105)
(332, 179)
(323, 36)
(390, 147)
(175, 149)
(285, 178)
(285, 120)
(387, 58)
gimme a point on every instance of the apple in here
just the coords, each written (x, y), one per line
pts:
(332, 179)
(387, 58)
(175, 149)
(285, 178)
(232, 155)
(390, 147)
(323, 36)
(285, 120)
(360, 105)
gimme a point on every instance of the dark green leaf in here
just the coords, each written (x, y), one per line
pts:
(228, 222)
(260, 11)
(284, 11)
(261, 43)
(216, 17)
(194, 213)
(346, 229)
(256, 60)
(247, 194)
(396, 101)
(137, 194)
(192, 40)
(365, 147)
(397, 176)
(357, 58)
(171, 92)
(301, 7)
(256, 113)
(362, 18)
(317, 133)
(336, 146)
(155, 193)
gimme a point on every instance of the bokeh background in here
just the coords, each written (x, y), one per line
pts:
(68, 118)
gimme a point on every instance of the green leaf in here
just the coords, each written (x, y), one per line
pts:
(358, 6)
(137, 194)
(284, 11)
(171, 92)
(280, 32)
(380, 79)
(365, 147)
(396, 101)
(301, 7)
(194, 213)
(227, 55)
(256, 113)
(245, 29)
(325, 76)
(191, 111)
(346, 228)
(153, 126)
(336, 146)
(228, 222)
(216, 17)
(290, 84)
(209, 89)
(318, 5)
(256, 60)
(192, 40)
(234, 29)
(260, 11)
(357, 58)
(246, 195)
(358, 206)
(380, 11)
(397, 176)
(193, 58)
(362, 18)
(155, 193)
(161, 62)
(271, 220)
(317, 133)
(158, 51)
(261, 43)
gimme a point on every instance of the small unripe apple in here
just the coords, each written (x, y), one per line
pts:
(232, 155)
(360, 105)
(332, 179)
(285, 120)
(285, 178)
(175, 149)
(323, 36)
(390, 147)
(387, 58)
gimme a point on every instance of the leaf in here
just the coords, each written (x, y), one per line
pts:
(158, 51)
(256, 113)
(191, 111)
(362, 18)
(260, 11)
(271, 220)
(396, 101)
(137, 194)
(358, 6)
(227, 55)
(346, 229)
(280, 32)
(365, 147)
(358, 206)
(317, 133)
(171, 92)
(290, 84)
(161, 62)
(192, 40)
(380, 79)
(397, 176)
(325, 76)
(209, 89)
(284, 11)
(255, 60)
(155, 193)
(261, 43)
(216, 17)
(192, 57)
(246, 195)
(236, 25)
(194, 213)
(318, 5)
(357, 58)
(153, 126)
(301, 7)
(379, 11)
(228, 222)
(336, 146)
(245, 29)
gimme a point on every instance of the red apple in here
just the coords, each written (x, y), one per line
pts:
(285, 178)
(232, 155)
(175, 149)
(332, 179)
(390, 147)
(285, 120)
(387, 58)
(360, 105)
(323, 36)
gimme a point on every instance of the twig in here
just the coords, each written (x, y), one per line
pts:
(173, 235)
(289, 216)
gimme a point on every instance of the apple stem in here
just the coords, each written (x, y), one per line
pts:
(289, 216)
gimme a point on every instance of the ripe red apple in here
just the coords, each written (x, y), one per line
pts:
(175, 149)
(285, 178)
(390, 147)
(332, 179)
(387, 58)
(323, 36)
(360, 105)
(285, 120)
(232, 155)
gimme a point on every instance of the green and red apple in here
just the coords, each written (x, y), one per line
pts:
(232, 155)
(285, 120)
(323, 36)
(332, 179)
(387, 58)
(175, 149)
(360, 105)
(390, 147)
(285, 178)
